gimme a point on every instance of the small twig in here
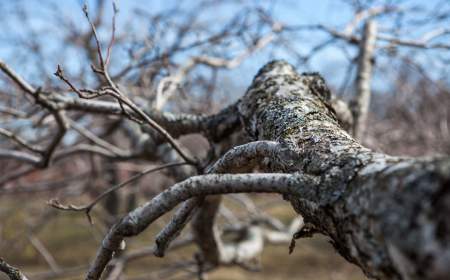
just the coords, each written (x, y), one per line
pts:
(12, 112)
(126, 113)
(24, 85)
(306, 230)
(20, 156)
(97, 140)
(82, 93)
(94, 31)
(111, 42)
(87, 208)
(37, 244)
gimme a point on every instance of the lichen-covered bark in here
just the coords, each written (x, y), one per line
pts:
(388, 215)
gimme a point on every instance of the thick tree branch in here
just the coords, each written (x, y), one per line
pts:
(214, 126)
(139, 219)
(380, 212)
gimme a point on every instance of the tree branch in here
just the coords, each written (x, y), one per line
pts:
(139, 219)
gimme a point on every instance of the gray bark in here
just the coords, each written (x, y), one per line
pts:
(388, 215)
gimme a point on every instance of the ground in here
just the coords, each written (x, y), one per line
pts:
(73, 243)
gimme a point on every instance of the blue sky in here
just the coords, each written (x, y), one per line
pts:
(330, 12)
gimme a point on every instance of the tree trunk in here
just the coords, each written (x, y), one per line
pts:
(388, 215)
(364, 78)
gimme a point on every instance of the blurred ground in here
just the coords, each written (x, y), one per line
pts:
(73, 242)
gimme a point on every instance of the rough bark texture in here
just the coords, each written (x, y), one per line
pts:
(388, 215)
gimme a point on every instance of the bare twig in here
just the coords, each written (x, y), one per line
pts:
(87, 208)
(97, 140)
(22, 142)
(17, 79)
(37, 244)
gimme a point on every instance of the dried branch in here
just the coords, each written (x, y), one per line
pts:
(37, 244)
(22, 142)
(16, 78)
(87, 208)
(98, 141)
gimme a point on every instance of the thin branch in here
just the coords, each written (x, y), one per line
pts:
(37, 244)
(87, 208)
(94, 31)
(368, 14)
(22, 142)
(82, 93)
(20, 156)
(174, 227)
(17, 79)
(12, 112)
(97, 140)
(175, 124)
(421, 44)
(62, 128)
(111, 42)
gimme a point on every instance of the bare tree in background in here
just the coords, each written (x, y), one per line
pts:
(287, 135)
(364, 78)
